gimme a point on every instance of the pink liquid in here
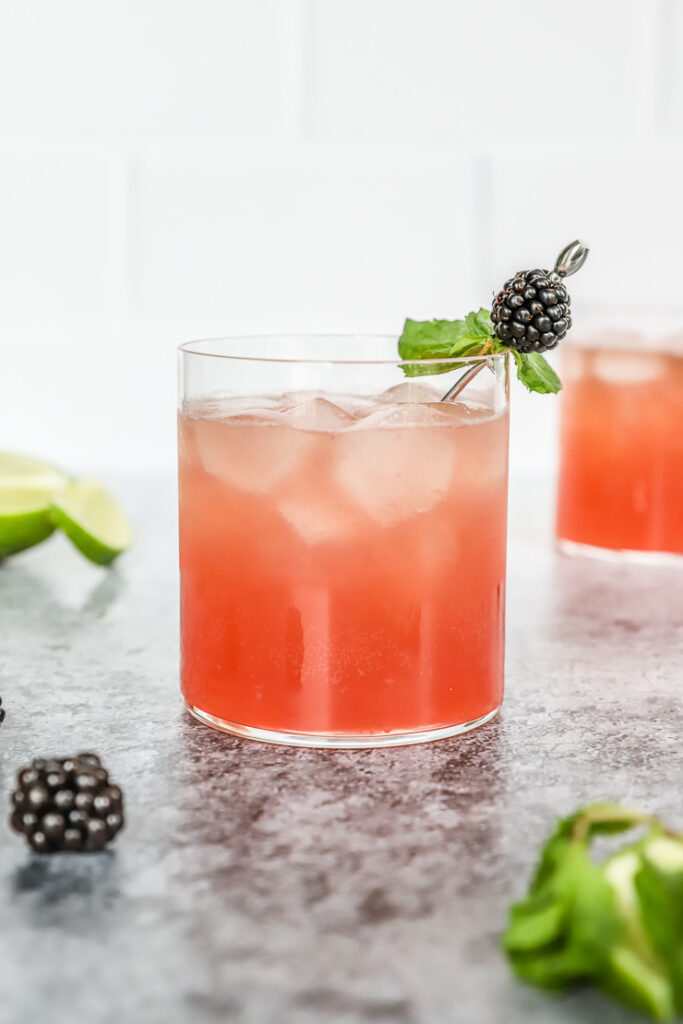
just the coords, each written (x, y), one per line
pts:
(342, 564)
(621, 468)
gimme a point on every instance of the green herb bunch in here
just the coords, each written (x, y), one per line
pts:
(617, 924)
(461, 339)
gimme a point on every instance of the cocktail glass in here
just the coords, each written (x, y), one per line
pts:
(342, 541)
(620, 490)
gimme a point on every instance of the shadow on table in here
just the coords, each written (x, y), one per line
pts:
(612, 601)
(73, 599)
(62, 890)
(336, 817)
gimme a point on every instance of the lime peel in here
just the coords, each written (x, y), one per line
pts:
(27, 487)
(92, 520)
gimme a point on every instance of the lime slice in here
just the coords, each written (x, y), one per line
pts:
(27, 487)
(92, 520)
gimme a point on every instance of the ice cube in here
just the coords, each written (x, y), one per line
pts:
(240, 404)
(411, 391)
(460, 414)
(393, 474)
(432, 414)
(318, 414)
(220, 407)
(253, 453)
(628, 367)
(291, 398)
(319, 518)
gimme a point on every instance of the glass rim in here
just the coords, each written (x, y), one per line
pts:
(192, 348)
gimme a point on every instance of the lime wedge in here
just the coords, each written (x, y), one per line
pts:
(27, 487)
(92, 520)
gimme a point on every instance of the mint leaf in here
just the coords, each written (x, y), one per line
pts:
(555, 970)
(444, 339)
(596, 925)
(427, 369)
(535, 923)
(616, 924)
(606, 818)
(479, 324)
(634, 981)
(659, 885)
(566, 928)
(449, 339)
(600, 818)
(536, 373)
(429, 339)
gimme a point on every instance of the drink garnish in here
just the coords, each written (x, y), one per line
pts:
(530, 315)
(615, 924)
(26, 489)
(67, 804)
(92, 521)
(35, 497)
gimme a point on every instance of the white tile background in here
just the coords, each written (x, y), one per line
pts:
(170, 170)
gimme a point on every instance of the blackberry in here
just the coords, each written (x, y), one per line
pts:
(532, 313)
(66, 803)
(2, 712)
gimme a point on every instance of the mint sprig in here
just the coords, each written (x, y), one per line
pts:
(443, 339)
(473, 336)
(616, 924)
(536, 373)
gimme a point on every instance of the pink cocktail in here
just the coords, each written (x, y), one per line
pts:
(621, 458)
(343, 561)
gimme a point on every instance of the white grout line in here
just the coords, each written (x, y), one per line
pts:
(120, 245)
(133, 240)
(481, 226)
(665, 62)
(649, 20)
(306, 151)
(645, 69)
(296, 77)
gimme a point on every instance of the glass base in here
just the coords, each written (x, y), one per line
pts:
(576, 550)
(332, 741)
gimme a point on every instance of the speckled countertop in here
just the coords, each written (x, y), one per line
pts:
(268, 885)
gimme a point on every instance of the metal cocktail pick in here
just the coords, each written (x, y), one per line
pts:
(571, 259)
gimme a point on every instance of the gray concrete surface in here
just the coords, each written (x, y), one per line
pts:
(266, 885)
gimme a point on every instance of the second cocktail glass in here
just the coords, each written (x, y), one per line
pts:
(342, 541)
(621, 441)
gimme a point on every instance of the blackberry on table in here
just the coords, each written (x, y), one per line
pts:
(532, 312)
(66, 803)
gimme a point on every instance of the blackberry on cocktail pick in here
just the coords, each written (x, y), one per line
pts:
(66, 803)
(532, 312)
